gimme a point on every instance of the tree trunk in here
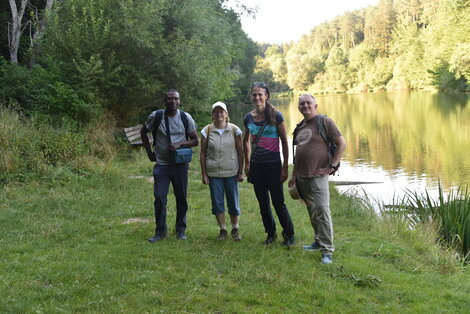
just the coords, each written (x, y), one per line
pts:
(39, 32)
(14, 32)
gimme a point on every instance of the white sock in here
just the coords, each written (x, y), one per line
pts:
(223, 227)
(235, 226)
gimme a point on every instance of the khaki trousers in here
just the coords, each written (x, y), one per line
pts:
(316, 194)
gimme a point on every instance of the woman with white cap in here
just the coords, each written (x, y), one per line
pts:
(221, 161)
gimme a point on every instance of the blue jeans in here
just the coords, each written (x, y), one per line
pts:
(266, 181)
(224, 186)
(177, 174)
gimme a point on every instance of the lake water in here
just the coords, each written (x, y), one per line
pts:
(406, 141)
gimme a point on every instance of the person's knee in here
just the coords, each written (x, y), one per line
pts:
(265, 209)
(217, 211)
(234, 211)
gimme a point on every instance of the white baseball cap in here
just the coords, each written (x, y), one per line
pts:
(219, 104)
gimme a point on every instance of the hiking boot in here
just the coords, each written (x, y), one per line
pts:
(156, 238)
(326, 258)
(222, 235)
(312, 247)
(289, 241)
(235, 235)
(270, 239)
(181, 235)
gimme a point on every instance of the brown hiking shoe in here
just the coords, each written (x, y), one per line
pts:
(235, 235)
(223, 234)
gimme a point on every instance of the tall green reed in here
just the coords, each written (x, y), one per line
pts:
(451, 213)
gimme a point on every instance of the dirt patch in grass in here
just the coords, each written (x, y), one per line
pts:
(135, 220)
(149, 179)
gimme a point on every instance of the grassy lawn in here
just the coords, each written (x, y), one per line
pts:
(67, 245)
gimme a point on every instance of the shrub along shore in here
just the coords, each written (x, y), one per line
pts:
(74, 237)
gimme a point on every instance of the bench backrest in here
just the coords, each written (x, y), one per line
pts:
(133, 135)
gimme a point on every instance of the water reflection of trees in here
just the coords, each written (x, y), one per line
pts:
(421, 133)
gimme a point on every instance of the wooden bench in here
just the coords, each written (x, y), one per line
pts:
(133, 135)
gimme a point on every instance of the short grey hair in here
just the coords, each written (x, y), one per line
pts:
(309, 95)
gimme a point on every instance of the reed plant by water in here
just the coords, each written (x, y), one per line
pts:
(450, 213)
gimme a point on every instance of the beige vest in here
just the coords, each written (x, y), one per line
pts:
(221, 157)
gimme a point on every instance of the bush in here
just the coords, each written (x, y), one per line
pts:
(40, 91)
(31, 147)
(20, 86)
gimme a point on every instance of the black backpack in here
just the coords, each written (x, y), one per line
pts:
(158, 120)
(331, 147)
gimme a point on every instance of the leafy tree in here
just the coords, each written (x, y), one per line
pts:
(407, 50)
(410, 10)
(275, 59)
(361, 61)
(448, 29)
(337, 76)
(297, 72)
(351, 28)
(379, 23)
(460, 61)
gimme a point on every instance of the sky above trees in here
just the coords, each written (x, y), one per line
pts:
(284, 21)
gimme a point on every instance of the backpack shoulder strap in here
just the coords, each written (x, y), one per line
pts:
(321, 127)
(207, 129)
(159, 117)
(184, 118)
(158, 120)
(234, 130)
(330, 145)
(296, 131)
(294, 140)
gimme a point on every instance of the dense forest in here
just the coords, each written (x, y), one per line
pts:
(394, 45)
(80, 58)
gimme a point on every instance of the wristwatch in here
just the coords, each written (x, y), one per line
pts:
(333, 166)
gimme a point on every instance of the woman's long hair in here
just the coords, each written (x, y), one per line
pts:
(270, 111)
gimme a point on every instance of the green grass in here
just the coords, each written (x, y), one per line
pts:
(65, 248)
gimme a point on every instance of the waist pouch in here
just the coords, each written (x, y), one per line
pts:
(182, 155)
